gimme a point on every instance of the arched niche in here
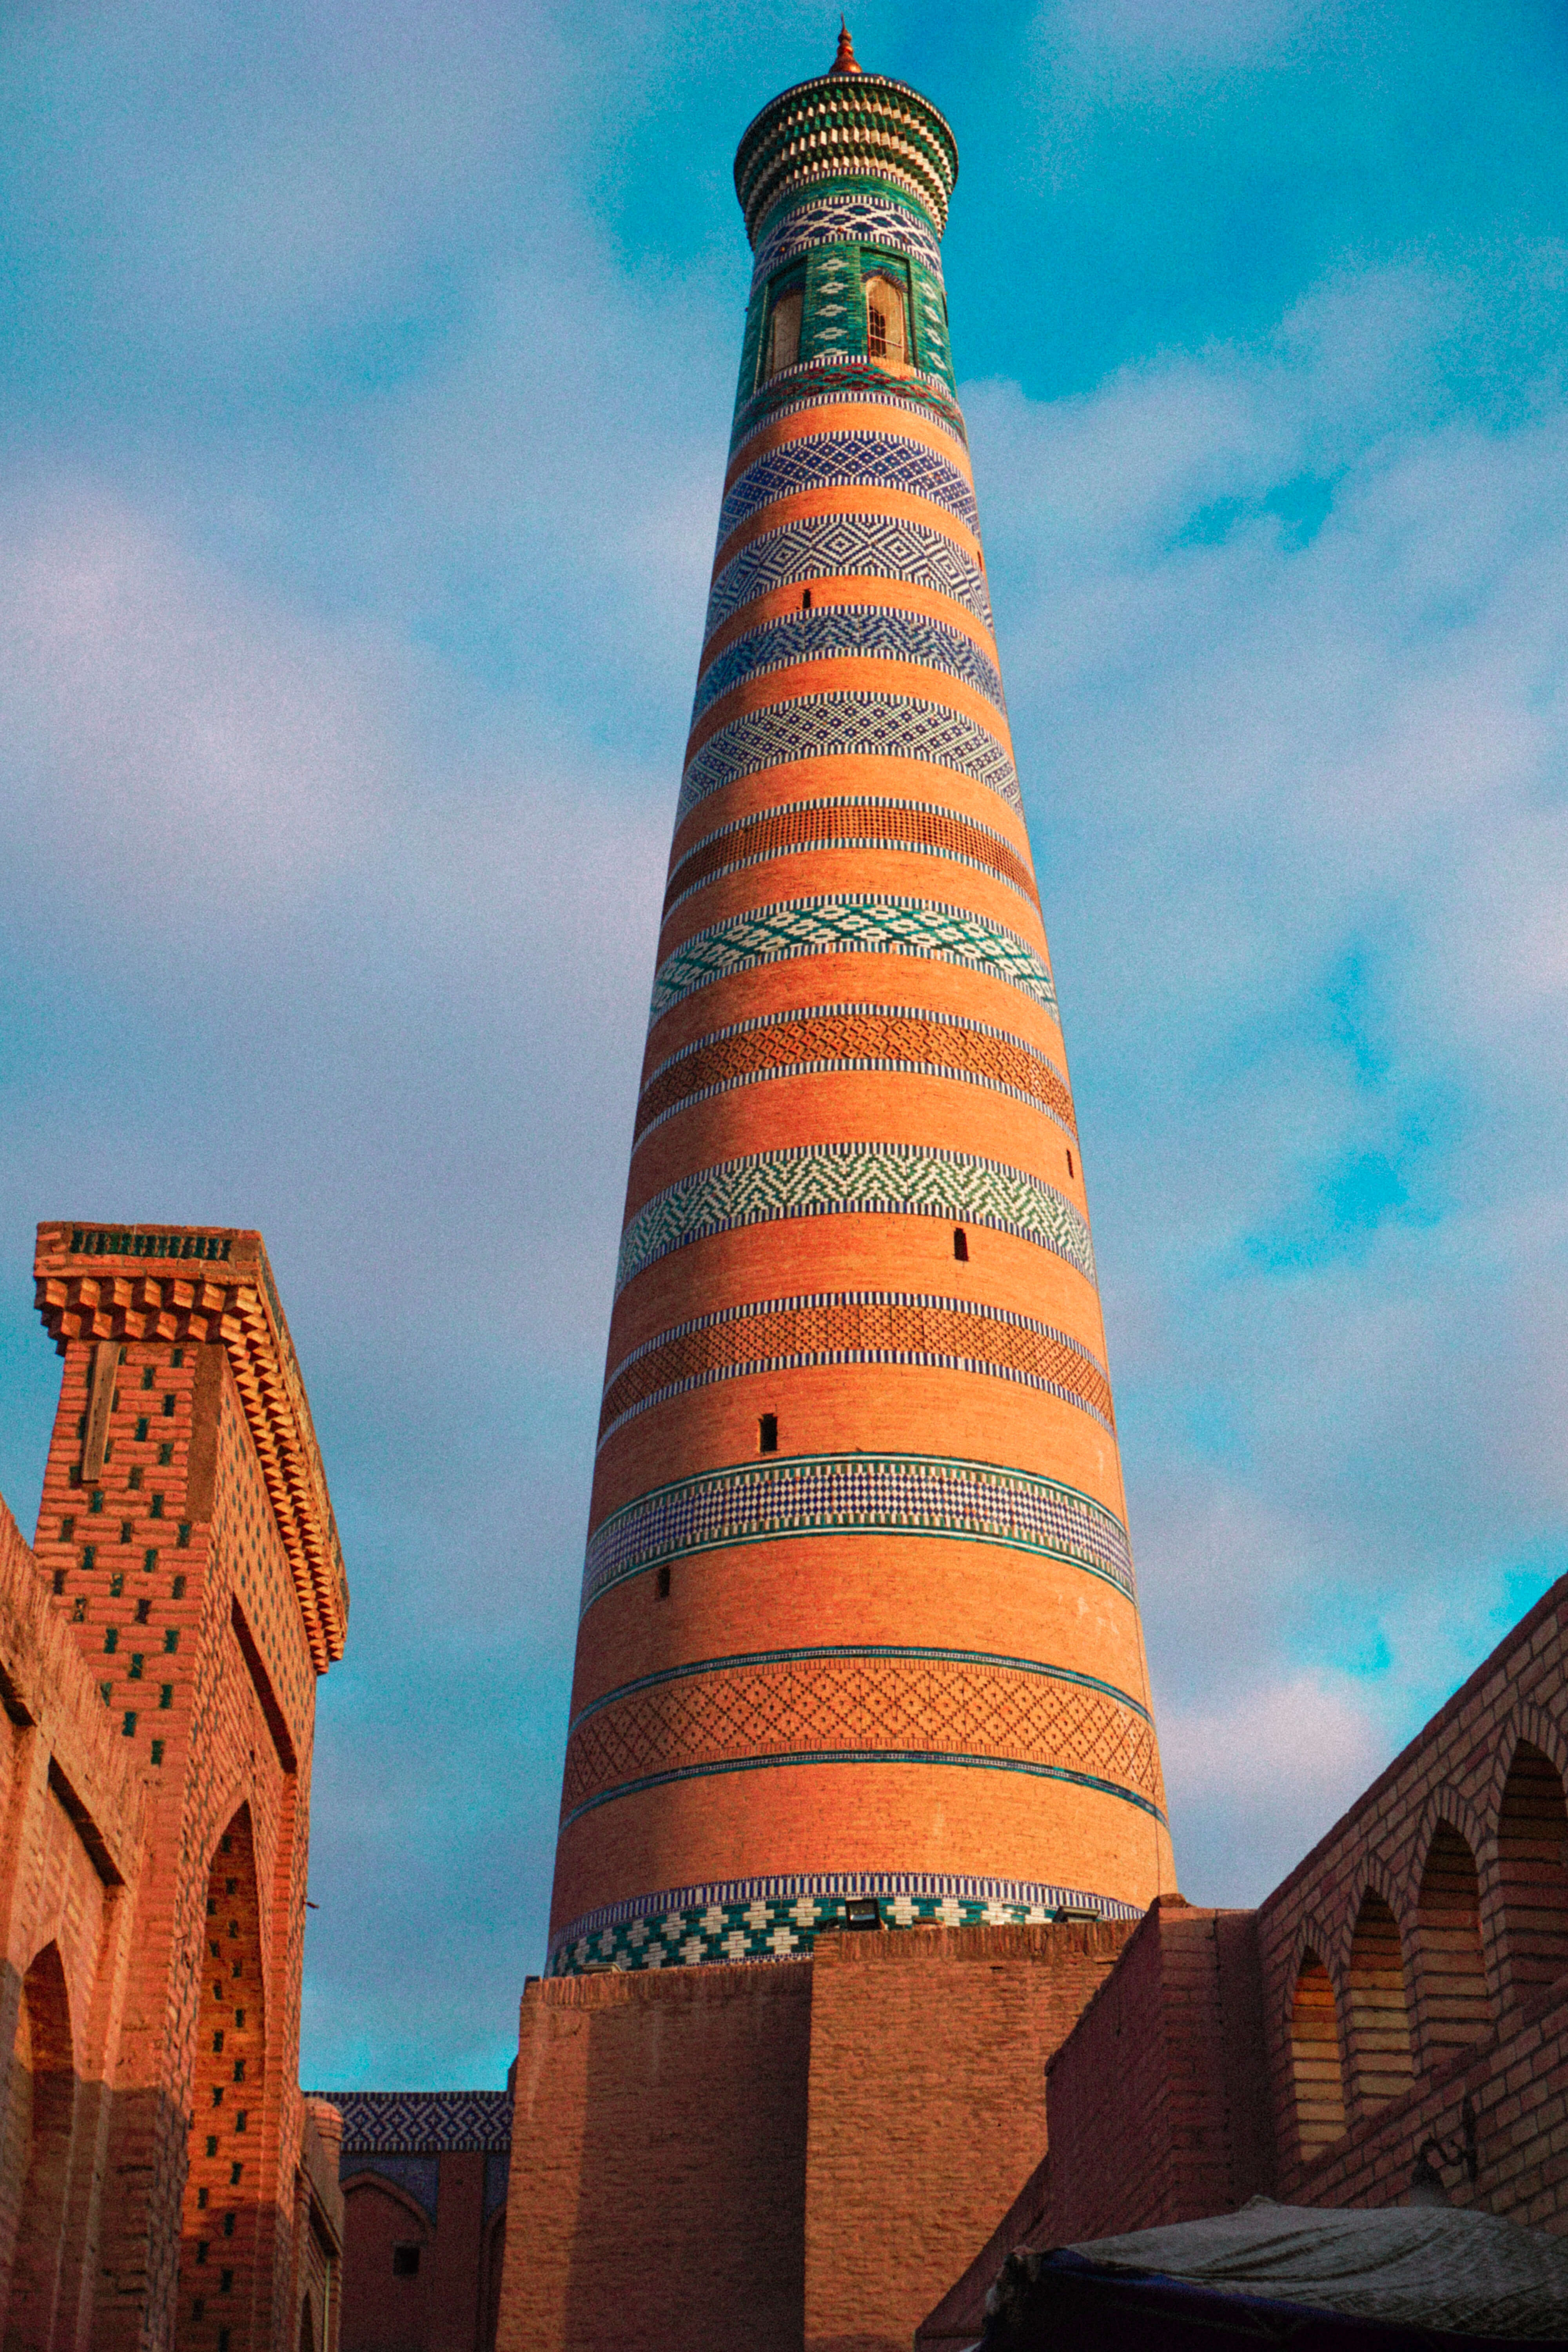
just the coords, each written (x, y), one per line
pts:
(1533, 1881)
(1456, 2009)
(43, 2095)
(221, 2224)
(1382, 2066)
(1315, 2059)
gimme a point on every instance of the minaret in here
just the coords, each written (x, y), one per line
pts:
(859, 1615)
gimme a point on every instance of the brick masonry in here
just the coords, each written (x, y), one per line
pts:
(1412, 1965)
(162, 2181)
(855, 1226)
(793, 2153)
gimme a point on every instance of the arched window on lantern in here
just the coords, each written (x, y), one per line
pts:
(783, 331)
(887, 321)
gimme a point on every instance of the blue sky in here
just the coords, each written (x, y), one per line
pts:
(364, 382)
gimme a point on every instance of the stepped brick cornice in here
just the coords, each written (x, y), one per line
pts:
(195, 1284)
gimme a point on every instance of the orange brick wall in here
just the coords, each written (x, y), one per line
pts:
(1454, 1771)
(659, 2163)
(779, 2153)
(1157, 2100)
(926, 2109)
(157, 1828)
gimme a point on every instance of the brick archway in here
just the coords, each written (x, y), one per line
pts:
(43, 2112)
(220, 2265)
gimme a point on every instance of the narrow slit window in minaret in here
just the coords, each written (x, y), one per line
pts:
(662, 1584)
(1071, 1171)
(768, 1434)
(960, 1244)
(805, 601)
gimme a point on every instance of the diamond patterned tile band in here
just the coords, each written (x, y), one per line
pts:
(779, 1918)
(849, 725)
(837, 460)
(906, 1495)
(863, 387)
(854, 1326)
(850, 925)
(872, 1704)
(847, 821)
(823, 1037)
(422, 2123)
(848, 633)
(818, 1180)
(867, 547)
(846, 220)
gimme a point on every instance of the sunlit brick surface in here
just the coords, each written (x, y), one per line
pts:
(857, 1228)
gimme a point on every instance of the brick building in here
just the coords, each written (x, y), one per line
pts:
(1406, 1984)
(162, 2182)
(424, 2178)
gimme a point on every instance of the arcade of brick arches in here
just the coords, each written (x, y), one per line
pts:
(866, 1963)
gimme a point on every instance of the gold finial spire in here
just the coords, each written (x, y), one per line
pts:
(845, 62)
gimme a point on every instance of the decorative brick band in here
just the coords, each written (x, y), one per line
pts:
(853, 1037)
(848, 821)
(859, 546)
(855, 1327)
(422, 2123)
(849, 724)
(862, 386)
(840, 459)
(846, 220)
(848, 633)
(850, 925)
(877, 1705)
(826, 1180)
(857, 1493)
(780, 1917)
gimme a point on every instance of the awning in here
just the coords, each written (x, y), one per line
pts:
(1405, 2279)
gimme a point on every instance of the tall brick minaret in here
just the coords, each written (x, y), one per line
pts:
(858, 1617)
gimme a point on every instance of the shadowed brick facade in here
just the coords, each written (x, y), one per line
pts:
(1414, 1965)
(858, 1614)
(424, 2178)
(161, 2181)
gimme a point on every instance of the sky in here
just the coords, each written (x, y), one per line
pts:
(365, 378)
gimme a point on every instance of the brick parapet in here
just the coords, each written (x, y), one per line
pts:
(1454, 1771)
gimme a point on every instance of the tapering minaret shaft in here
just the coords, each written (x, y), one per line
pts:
(858, 1617)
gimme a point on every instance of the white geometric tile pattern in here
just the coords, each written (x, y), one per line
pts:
(834, 460)
(848, 633)
(847, 1494)
(854, 1178)
(849, 724)
(877, 547)
(858, 926)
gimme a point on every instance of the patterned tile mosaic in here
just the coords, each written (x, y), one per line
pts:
(855, 546)
(421, 2122)
(822, 1037)
(850, 925)
(854, 1326)
(846, 220)
(840, 382)
(814, 1495)
(847, 821)
(841, 460)
(849, 725)
(795, 396)
(779, 1918)
(818, 1180)
(848, 633)
(878, 1704)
